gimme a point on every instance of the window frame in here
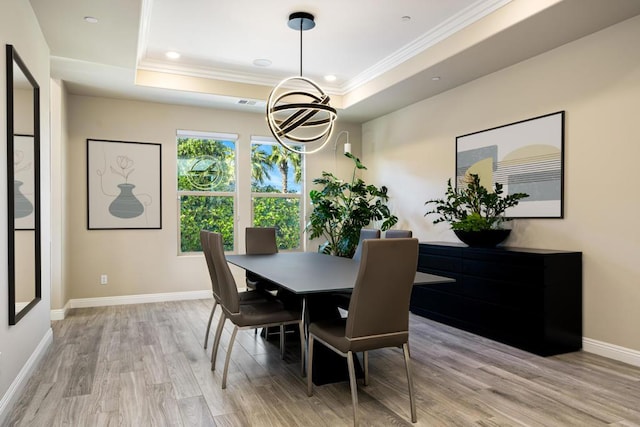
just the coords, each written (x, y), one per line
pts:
(214, 136)
(266, 140)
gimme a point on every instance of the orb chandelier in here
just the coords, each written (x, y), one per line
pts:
(301, 117)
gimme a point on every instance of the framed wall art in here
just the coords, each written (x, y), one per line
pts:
(124, 186)
(525, 157)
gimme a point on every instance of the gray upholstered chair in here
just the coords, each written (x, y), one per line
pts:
(250, 315)
(260, 241)
(342, 298)
(365, 233)
(398, 234)
(378, 313)
(215, 288)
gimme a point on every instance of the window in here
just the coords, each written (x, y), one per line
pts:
(276, 191)
(206, 187)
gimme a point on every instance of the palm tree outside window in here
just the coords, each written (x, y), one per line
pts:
(276, 191)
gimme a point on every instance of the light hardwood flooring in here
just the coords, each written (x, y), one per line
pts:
(144, 365)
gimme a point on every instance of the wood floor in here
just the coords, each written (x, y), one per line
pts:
(144, 365)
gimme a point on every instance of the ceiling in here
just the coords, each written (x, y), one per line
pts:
(384, 55)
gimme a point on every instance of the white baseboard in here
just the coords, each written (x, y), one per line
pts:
(611, 351)
(138, 299)
(61, 313)
(18, 384)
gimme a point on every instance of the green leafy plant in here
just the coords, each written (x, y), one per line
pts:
(341, 209)
(473, 207)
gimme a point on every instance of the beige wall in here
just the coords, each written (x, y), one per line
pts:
(19, 27)
(147, 261)
(596, 80)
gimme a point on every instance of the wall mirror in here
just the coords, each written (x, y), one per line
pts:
(23, 187)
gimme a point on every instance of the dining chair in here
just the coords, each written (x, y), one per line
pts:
(250, 315)
(365, 233)
(260, 241)
(378, 313)
(398, 234)
(215, 288)
(342, 299)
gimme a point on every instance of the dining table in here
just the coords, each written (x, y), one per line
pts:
(315, 277)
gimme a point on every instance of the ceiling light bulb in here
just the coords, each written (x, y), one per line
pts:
(90, 19)
(330, 78)
(172, 55)
(406, 18)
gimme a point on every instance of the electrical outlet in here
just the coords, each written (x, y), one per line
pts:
(103, 279)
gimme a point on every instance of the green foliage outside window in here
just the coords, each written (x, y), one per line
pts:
(205, 213)
(282, 213)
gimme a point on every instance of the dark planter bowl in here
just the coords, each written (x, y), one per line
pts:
(482, 239)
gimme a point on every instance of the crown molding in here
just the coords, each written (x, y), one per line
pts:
(456, 23)
(468, 16)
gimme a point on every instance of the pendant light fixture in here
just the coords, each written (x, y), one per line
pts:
(300, 117)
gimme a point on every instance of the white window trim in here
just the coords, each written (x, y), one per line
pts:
(258, 139)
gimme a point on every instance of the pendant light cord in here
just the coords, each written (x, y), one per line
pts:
(301, 48)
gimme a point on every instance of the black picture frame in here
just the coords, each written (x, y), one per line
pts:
(124, 185)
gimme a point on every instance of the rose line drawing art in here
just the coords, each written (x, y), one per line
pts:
(126, 204)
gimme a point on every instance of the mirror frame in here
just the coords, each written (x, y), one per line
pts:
(12, 58)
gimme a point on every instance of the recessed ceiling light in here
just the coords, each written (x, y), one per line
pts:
(172, 55)
(435, 78)
(90, 19)
(262, 62)
(406, 18)
(330, 78)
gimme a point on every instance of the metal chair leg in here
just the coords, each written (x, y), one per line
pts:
(407, 363)
(216, 340)
(282, 341)
(226, 362)
(302, 345)
(354, 387)
(365, 362)
(310, 367)
(206, 337)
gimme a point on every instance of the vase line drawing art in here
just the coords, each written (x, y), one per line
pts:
(22, 206)
(126, 204)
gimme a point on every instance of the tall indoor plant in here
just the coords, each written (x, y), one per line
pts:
(475, 214)
(341, 209)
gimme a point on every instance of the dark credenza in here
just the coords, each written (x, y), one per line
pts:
(527, 298)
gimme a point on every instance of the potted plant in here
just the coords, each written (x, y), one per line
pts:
(476, 214)
(341, 209)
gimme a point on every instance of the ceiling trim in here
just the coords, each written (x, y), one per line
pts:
(468, 16)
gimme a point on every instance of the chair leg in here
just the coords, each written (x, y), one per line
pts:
(407, 363)
(206, 337)
(282, 341)
(302, 345)
(354, 387)
(216, 341)
(310, 367)
(365, 362)
(226, 362)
